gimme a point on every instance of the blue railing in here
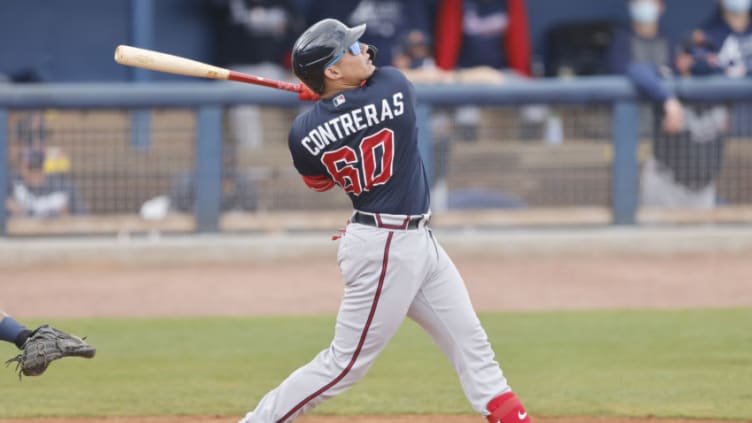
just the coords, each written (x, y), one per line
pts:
(208, 98)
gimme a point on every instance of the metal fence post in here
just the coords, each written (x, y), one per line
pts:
(142, 24)
(425, 145)
(4, 165)
(625, 183)
(208, 170)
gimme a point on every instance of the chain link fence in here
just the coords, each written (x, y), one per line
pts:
(523, 159)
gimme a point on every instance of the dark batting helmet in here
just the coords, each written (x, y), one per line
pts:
(317, 46)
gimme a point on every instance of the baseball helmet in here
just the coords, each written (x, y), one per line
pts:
(317, 46)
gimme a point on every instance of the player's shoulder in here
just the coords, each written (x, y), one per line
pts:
(299, 125)
(390, 73)
(303, 122)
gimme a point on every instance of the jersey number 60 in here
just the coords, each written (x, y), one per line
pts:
(375, 163)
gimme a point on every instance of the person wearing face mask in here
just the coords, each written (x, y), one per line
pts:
(684, 162)
(694, 157)
(644, 55)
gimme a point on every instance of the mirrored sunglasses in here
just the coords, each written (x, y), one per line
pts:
(354, 49)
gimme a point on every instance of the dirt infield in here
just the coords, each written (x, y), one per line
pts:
(358, 419)
(508, 283)
(313, 286)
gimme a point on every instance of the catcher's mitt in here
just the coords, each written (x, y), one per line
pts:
(45, 345)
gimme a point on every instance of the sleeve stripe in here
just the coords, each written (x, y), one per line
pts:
(318, 183)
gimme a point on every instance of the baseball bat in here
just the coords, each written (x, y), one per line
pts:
(163, 62)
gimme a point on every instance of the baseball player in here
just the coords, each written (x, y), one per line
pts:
(362, 136)
(40, 346)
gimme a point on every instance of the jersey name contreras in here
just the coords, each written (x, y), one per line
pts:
(353, 121)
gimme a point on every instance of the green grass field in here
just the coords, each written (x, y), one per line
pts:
(695, 364)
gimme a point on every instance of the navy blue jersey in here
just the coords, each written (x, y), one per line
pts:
(484, 26)
(734, 49)
(366, 141)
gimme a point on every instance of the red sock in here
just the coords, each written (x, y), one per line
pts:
(507, 408)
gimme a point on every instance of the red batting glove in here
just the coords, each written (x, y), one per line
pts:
(305, 93)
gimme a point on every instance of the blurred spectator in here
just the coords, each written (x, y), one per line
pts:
(689, 140)
(487, 41)
(723, 46)
(32, 133)
(645, 56)
(39, 183)
(494, 33)
(255, 36)
(387, 20)
(33, 193)
(413, 54)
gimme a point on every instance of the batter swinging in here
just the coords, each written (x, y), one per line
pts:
(362, 136)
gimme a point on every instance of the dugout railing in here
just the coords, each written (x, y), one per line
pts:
(621, 125)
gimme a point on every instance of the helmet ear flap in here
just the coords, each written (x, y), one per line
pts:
(372, 50)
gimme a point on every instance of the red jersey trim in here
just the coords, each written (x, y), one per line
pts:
(319, 183)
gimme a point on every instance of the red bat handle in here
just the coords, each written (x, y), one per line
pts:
(303, 92)
(253, 79)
